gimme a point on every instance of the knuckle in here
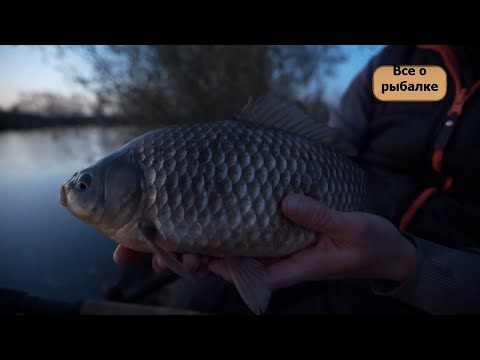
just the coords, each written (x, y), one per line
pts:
(319, 217)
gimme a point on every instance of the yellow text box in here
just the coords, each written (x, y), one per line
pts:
(409, 83)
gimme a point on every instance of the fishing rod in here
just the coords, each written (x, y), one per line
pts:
(17, 302)
(120, 300)
(134, 294)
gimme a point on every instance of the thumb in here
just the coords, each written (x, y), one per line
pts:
(311, 214)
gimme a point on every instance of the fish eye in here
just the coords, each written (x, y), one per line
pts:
(84, 182)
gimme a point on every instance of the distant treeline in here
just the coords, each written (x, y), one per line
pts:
(17, 120)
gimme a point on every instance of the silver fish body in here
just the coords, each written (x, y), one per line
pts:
(216, 189)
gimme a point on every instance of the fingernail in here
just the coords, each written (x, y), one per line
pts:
(213, 267)
(156, 264)
(293, 205)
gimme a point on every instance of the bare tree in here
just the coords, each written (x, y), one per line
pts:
(181, 83)
(51, 104)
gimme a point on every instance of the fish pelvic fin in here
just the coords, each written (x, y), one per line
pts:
(148, 232)
(248, 276)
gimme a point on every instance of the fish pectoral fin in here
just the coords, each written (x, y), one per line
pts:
(248, 276)
(148, 232)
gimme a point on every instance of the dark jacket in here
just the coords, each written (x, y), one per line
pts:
(423, 166)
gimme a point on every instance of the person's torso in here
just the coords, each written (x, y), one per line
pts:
(398, 152)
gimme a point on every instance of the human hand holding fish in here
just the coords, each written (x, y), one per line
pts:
(208, 197)
(350, 245)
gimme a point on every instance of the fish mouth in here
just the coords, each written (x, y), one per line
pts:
(63, 196)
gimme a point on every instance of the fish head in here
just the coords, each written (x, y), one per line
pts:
(80, 195)
(107, 194)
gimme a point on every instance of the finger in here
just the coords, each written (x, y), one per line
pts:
(203, 271)
(311, 263)
(220, 268)
(311, 214)
(124, 256)
(204, 260)
(191, 262)
(270, 260)
(288, 272)
(158, 265)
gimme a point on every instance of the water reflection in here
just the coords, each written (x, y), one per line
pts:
(58, 149)
(43, 248)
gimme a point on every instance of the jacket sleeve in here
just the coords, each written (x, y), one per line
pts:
(445, 281)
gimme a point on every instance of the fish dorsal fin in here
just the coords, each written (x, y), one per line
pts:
(273, 111)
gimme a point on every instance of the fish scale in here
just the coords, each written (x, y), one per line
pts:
(215, 189)
(239, 185)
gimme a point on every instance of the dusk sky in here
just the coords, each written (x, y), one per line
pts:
(28, 68)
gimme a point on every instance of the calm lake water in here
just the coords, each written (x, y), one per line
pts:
(43, 249)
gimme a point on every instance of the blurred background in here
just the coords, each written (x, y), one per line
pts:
(62, 107)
